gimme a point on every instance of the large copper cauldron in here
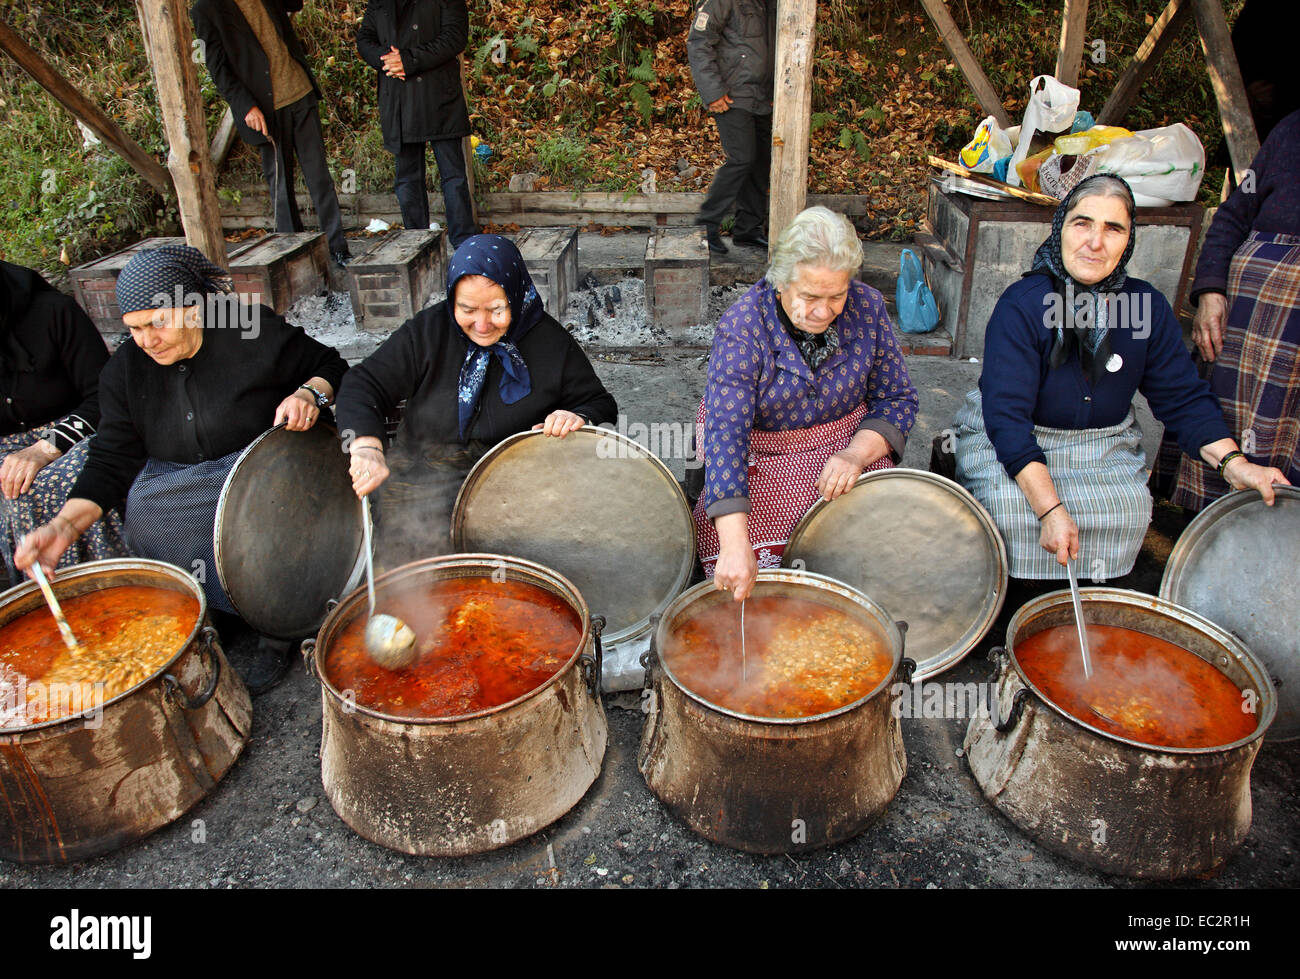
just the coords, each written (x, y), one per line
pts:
(74, 787)
(460, 785)
(774, 785)
(1115, 804)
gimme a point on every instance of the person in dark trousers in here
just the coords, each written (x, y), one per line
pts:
(259, 67)
(732, 50)
(415, 47)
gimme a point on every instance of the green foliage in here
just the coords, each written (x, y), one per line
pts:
(820, 119)
(643, 71)
(641, 98)
(564, 159)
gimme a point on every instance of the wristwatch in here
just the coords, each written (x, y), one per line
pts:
(321, 400)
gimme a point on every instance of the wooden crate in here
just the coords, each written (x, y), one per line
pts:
(677, 279)
(94, 284)
(392, 281)
(551, 256)
(280, 269)
(973, 249)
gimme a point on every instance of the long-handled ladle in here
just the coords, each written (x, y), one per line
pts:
(56, 610)
(389, 641)
(1078, 618)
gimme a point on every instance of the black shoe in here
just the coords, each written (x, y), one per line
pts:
(716, 244)
(262, 664)
(340, 259)
(755, 240)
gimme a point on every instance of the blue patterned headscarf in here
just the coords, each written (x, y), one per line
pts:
(161, 278)
(498, 259)
(1092, 336)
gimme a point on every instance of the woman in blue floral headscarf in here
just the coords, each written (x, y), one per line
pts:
(484, 364)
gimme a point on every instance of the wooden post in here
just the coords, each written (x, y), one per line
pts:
(467, 148)
(1229, 91)
(167, 37)
(1074, 25)
(82, 108)
(965, 58)
(796, 22)
(1148, 54)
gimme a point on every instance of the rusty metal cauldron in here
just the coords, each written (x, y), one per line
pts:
(1106, 801)
(79, 786)
(774, 785)
(455, 786)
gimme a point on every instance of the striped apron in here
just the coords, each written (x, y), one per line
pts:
(1100, 476)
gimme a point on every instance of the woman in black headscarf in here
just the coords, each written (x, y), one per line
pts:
(484, 364)
(204, 376)
(1049, 443)
(50, 358)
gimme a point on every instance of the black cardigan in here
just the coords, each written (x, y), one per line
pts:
(421, 363)
(50, 358)
(200, 408)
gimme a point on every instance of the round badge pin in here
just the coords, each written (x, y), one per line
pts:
(1115, 363)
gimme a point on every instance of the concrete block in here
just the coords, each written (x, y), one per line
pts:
(391, 282)
(280, 269)
(677, 279)
(94, 284)
(551, 256)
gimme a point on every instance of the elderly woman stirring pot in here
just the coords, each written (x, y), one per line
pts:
(203, 376)
(1049, 443)
(807, 389)
(486, 363)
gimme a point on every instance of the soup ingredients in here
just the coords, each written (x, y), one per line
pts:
(1143, 688)
(127, 634)
(809, 658)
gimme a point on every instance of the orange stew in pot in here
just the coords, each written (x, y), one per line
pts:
(126, 634)
(481, 643)
(800, 658)
(1142, 688)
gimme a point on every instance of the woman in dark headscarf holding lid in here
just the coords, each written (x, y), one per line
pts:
(50, 358)
(1050, 443)
(486, 363)
(204, 376)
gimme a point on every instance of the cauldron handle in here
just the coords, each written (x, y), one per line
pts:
(1004, 725)
(308, 650)
(592, 664)
(177, 695)
(906, 665)
(649, 699)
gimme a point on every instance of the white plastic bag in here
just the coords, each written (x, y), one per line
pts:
(987, 146)
(1051, 110)
(1161, 165)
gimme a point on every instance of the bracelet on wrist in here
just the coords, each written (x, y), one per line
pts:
(367, 448)
(1059, 503)
(1223, 463)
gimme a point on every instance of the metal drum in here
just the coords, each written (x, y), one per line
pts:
(1236, 564)
(460, 785)
(774, 785)
(1111, 803)
(598, 508)
(75, 788)
(919, 545)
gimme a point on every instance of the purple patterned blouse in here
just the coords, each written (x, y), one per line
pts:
(759, 380)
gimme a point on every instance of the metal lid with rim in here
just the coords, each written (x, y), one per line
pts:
(920, 546)
(595, 506)
(1235, 564)
(287, 536)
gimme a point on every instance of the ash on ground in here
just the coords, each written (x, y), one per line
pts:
(615, 316)
(328, 317)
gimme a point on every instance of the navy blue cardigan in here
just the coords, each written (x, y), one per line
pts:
(1019, 391)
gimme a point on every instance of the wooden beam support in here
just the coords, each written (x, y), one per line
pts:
(83, 109)
(1148, 55)
(796, 23)
(965, 58)
(1074, 26)
(168, 40)
(1229, 90)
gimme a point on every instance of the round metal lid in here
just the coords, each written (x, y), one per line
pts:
(920, 546)
(595, 506)
(288, 535)
(1235, 564)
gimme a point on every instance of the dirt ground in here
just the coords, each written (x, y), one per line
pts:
(268, 823)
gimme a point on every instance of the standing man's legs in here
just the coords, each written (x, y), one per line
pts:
(408, 186)
(450, 156)
(309, 144)
(752, 200)
(736, 127)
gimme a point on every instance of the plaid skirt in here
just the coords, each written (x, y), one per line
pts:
(45, 498)
(783, 470)
(1256, 377)
(1100, 475)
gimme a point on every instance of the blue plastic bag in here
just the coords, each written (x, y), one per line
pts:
(917, 310)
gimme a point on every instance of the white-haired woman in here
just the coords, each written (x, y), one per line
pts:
(807, 389)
